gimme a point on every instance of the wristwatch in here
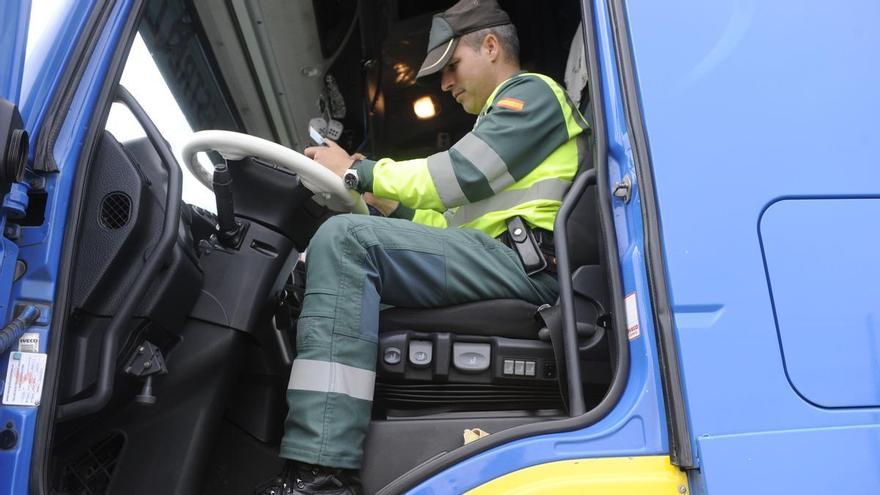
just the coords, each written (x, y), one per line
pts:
(351, 179)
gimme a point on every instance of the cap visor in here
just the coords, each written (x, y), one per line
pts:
(437, 59)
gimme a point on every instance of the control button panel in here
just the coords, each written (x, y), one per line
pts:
(471, 356)
(420, 352)
(519, 367)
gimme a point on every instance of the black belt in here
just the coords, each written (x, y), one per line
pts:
(534, 246)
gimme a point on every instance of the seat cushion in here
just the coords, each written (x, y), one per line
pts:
(511, 318)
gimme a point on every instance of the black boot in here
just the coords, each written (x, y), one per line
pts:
(304, 479)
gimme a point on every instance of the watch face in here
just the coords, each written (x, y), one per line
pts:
(351, 179)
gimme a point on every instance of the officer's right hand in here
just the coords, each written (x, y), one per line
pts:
(331, 156)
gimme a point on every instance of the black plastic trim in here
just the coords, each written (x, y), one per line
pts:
(110, 343)
(610, 259)
(680, 450)
(44, 429)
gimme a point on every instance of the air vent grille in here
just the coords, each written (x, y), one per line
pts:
(115, 210)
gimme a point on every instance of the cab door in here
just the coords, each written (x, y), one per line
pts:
(14, 150)
(54, 56)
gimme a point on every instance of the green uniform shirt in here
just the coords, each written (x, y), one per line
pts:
(519, 160)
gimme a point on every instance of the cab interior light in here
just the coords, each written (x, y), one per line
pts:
(425, 107)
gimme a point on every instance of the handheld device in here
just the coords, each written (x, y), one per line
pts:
(316, 136)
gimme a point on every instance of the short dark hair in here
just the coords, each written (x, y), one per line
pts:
(507, 37)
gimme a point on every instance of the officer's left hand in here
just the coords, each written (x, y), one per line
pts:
(384, 205)
(331, 156)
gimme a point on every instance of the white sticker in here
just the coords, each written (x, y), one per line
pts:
(632, 316)
(24, 379)
(29, 342)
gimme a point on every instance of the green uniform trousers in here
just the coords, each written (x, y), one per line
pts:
(354, 263)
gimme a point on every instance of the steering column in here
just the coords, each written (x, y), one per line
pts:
(228, 229)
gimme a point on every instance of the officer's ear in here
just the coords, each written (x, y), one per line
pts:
(491, 47)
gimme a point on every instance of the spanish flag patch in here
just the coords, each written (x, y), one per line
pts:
(510, 104)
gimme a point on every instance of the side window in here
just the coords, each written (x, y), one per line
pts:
(143, 80)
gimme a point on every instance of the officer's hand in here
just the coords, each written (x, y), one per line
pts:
(385, 206)
(331, 156)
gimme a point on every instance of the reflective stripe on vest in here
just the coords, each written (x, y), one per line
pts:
(548, 189)
(480, 155)
(487, 161)
(448, 188)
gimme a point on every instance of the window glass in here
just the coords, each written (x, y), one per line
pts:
(46, 18)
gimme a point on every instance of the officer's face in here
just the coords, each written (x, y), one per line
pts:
(468, 77)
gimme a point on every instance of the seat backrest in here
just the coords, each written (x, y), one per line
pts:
(576, 75)
(582, 226)
(583, 239)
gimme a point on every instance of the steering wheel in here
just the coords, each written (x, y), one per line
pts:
(328, 187)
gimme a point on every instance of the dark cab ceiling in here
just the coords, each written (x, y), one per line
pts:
(266, 67)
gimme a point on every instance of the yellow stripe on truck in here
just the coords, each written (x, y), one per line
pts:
(653, 475)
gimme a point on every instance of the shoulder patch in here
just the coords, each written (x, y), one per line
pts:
(511, 103)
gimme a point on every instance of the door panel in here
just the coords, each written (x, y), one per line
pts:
(745, 104)
(823, 280)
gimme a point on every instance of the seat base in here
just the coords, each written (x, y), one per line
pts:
(511, 318)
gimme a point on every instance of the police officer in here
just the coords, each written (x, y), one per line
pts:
(441, 245)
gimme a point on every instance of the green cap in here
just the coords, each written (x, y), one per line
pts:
(449, 26)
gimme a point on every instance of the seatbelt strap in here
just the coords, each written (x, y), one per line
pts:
(552, 318)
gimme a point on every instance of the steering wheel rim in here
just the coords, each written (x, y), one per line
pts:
(328, 187)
